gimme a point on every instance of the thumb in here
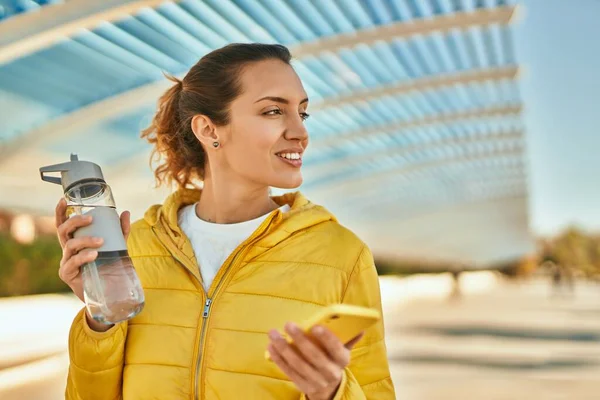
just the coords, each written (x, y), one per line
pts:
(352, 342)
(126, 223)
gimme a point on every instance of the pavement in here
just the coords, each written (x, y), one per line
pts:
(510, 341)
(500, 340)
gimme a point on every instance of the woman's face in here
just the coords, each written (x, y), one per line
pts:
(265, 139)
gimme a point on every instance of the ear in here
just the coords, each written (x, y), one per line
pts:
(204, 130)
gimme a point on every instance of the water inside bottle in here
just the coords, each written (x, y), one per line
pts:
(103, 282)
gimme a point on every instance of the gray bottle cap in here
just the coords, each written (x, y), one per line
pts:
(72, 172)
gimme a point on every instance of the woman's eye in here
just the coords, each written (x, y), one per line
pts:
(304, 116)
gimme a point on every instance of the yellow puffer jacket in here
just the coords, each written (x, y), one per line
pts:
(187, 344)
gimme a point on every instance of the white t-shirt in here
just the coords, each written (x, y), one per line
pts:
(213, 243)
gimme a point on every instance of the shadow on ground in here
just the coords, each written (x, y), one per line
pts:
(509, 365)
(508, 333)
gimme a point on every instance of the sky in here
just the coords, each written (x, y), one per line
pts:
(557, 42)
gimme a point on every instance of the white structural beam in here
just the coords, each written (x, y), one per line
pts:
(409, 196)
(415, 183)
(413, 197)
(422, 84)
(29, 32)
(423, 26)
(81, 119)
(381, 215)
(342, 137)
(416, 216)
(332, 167)
(347, 186)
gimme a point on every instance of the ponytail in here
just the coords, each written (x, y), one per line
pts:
(174, 140)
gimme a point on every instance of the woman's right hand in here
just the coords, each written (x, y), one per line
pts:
(78, 251)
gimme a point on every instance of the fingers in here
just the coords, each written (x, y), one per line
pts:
(74, 246)
(332, 345)
(66, 226)
(307, 348)
(126, 223)
(287, 369)
(70, 225)
(71, 268)
(313, 354)
(301, 368)
(60, 215)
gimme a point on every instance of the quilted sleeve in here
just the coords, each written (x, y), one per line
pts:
(96, 361)
(368, 375)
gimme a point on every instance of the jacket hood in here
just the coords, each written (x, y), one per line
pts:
(302, 215)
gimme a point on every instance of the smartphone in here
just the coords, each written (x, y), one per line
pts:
(343, 320)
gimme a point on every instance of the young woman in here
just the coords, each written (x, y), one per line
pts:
(224, 268)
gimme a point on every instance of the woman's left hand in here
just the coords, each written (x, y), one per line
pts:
(316, 370)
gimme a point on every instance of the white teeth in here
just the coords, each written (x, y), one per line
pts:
(290, 156)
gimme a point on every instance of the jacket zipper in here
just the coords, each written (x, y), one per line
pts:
(204, 324)
(201, 344)
(206, 308)
(209, 301)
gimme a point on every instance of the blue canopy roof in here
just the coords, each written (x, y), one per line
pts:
(416, 106)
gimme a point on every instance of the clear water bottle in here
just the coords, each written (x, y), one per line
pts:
(111, 288)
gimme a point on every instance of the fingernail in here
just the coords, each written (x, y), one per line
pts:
(318, 330)
(93, 253)
(88, 217)
(98, 240)
(274, 335)
(292, 328)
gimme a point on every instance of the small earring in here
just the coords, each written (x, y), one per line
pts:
(215, 144)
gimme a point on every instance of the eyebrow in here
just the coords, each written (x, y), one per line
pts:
(280, 100)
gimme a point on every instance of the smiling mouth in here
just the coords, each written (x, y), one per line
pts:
(294, 159)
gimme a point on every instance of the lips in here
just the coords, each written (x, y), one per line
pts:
(291, 157)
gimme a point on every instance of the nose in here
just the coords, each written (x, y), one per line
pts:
(296, 130)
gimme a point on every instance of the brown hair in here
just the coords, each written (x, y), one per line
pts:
(208, 89)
